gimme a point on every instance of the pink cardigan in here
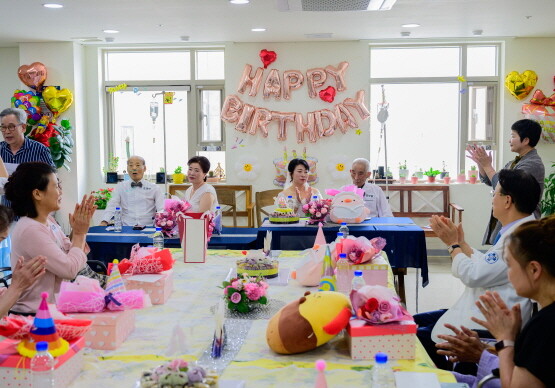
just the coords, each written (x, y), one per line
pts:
(30, 238)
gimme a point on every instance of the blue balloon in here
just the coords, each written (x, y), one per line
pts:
(32, 110)
(17, 103)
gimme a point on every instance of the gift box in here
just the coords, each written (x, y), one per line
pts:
(396, 339)
(109, 328)
(158, 286)
(373, 274)
(15, 370)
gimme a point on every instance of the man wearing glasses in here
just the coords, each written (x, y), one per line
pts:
(16, 148)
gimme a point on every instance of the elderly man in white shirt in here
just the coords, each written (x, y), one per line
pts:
(138, 199)
(374, 198)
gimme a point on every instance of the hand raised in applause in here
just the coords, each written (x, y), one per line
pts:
(464, 346)
(25, 274)
(446, 230)
(80, 220)
(502, 322)
(479, 155)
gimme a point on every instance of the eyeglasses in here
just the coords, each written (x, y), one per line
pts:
(9, 128)
(492, 192)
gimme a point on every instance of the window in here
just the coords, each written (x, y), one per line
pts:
(168, 109)
(433, 112)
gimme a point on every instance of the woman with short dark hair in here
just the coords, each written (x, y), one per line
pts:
(35, 193)
(201, 195)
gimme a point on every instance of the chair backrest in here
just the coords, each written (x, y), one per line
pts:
(98, 266)
(263, 199)
(4, 278)
(228, 197)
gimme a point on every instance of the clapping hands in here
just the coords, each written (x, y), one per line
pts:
(502, 322)
(479, 155)
(80, 219)
(464, 346)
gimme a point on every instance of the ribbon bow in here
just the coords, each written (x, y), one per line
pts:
(540, 99)
(136, 184)
(110, 298)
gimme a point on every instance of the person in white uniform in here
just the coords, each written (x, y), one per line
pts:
(514, 200)
(374, 197)
(201, 195)
(138, 198)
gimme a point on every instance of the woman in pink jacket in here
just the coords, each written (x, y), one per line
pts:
(35, 193)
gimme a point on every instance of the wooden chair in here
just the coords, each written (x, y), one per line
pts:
(226, 197)
(263, 199)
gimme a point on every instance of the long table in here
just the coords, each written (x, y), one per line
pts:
(195, 292)
(109, 245)
(405, 248)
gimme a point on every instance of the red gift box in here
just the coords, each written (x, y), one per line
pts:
(158, 286)
(15, 370)
(109, 328)
(396, 339)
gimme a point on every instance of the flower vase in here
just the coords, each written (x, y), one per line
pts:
(461, 178)
(414, 180)
(431, 179)
(446, 180)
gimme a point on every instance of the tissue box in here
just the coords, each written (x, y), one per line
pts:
(158, 286)
(109, 328)
(373, 274)
(396, 339)
(15, 370)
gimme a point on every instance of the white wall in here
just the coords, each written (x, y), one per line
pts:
(9, 63)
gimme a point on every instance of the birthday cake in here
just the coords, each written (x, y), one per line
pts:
(178, 374)
(283, 214)
(257, 264)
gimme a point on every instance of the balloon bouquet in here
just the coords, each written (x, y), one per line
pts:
(43, 106)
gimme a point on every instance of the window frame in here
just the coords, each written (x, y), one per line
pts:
(464, 98)
(193, 101)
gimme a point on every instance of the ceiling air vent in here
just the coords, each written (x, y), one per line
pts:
(334, 5)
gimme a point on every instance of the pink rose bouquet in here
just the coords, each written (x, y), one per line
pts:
(317, 211)
(378, 304)
(241, 293)
(360, 250)
(167, 220)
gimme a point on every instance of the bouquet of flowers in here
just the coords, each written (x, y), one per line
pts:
(167, 220)
(378, 304)
(101, 197)
(316, 211)
(360, 250)
(242, 293)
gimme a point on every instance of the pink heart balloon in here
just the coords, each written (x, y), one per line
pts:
(32, 75)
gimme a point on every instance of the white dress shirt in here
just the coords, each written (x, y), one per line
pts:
(138, 204)
(375, 201)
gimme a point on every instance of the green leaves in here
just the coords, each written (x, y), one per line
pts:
(548, 201)
(61, 145)
(431, 172)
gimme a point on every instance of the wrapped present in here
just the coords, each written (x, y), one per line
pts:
(15, 370)
(396, 339)
(145, 260)
(109, 328)
(545, 115)
(158, 286)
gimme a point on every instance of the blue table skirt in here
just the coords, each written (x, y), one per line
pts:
(107, 246)
(405, 248)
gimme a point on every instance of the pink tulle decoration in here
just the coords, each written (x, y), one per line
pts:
(132, 299)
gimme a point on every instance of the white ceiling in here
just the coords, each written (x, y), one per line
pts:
(165, 21)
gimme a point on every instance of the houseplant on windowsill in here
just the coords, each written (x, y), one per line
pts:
(472, 178)
(414, 179)
(461, 178)
(212, 178)
(178, 175)
(161, 176)
(446, 178)
(402, 178)
(403, 169)
(419, 174)
(472, 171)
(112, 170)
(443, 171)
(101, 198)
(431, 174)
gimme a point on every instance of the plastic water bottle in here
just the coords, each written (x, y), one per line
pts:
(118, 223)
(314, 198)
(218, 220)
(339, 237)
(158, 239)
(290, 202)
(382, 374)
(358, 282)
(343, 229)
(42, 367)
(342, 274)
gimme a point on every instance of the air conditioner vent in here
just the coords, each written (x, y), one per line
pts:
(335, 5)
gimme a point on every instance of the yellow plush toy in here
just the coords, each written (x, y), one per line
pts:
(309, 322)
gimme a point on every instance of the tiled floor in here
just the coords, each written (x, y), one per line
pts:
(442, 291)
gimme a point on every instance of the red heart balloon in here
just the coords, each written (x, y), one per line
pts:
(328, 94)
(267, 57)
(32, 75)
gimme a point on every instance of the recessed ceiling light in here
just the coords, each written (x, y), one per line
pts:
(258, 29)
(52, 5)
(410, 25)
(239, 1)
(110, 31)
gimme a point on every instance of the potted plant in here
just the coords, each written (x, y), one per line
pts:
(112, 170)
(472, 171)
(178, 175)
(446, 178)
(161, 176)
(461, 178)
(402, 178)
(419, 174)
(212, 177)
(403, 169)
(472, 178)
(101, 198)
(443, 170)
(548, 201)
(414, 178)
(431, 174)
